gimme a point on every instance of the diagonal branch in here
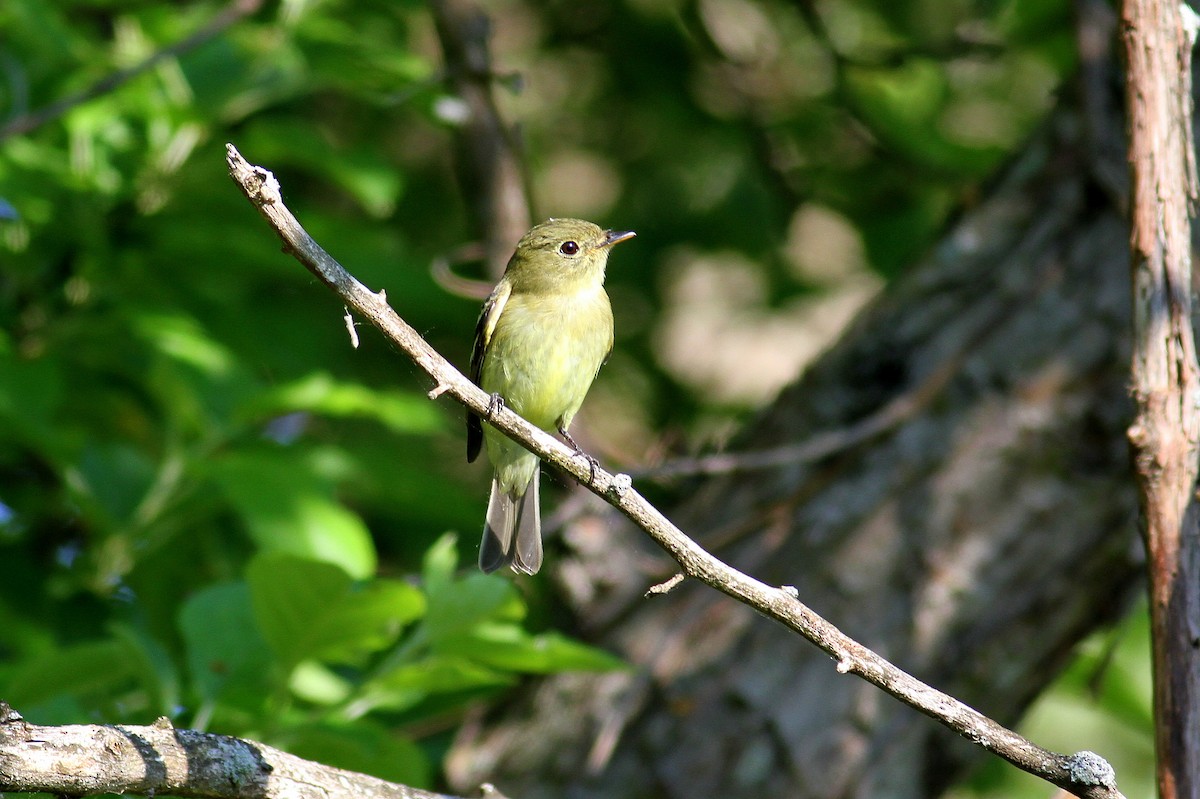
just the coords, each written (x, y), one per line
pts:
(1083, 774)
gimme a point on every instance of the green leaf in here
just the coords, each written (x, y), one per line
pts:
(226, 655)
(360, 172)
(412, 682)
(153, 667)
(319, 393)
(903, 105)
(117, 477)
(183, 339)
(195, 378)
(476, 618)
(457, 607)
(30, 395)
(362, 747)
(510, 648)
(439, 563)
(92, 668)
(314, 682)
(288, 508)
(310, 609)
(456, 604)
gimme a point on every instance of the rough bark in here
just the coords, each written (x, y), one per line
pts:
(1166, 380)
(974, 540)
(84, 760)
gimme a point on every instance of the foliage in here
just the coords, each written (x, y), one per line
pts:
(212, 508)
(305, 656)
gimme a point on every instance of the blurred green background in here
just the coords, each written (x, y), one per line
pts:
(212, 508)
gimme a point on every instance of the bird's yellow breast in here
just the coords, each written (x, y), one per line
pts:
(557, 361)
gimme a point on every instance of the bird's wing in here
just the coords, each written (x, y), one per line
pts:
(492, 308)
(609, 351)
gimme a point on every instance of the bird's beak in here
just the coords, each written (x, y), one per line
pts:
(612, 237)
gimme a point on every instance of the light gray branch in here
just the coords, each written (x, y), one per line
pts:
(780, 603)
(81, 760)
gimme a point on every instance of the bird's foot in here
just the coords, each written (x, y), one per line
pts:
(495, 405)
(592, 463)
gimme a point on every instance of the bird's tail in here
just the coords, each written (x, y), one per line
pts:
(512, 535)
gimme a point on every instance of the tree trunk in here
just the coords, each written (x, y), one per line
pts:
(1165, 433)
(987, 526)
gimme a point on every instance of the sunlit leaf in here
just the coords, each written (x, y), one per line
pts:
(458, 604)
(288, 508)
(314, 682)
(508, 647)
(320, 393)
(309, 609)
(439, 674)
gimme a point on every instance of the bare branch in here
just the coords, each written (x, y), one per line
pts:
(896, 412)
(780, 604)
(442, 270)
(232, 13)
(823, 444)
(667, 585)
(489, 162)
(80, 760)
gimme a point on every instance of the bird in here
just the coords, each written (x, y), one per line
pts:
(542, 336)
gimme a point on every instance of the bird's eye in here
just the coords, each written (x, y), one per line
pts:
(569, 248)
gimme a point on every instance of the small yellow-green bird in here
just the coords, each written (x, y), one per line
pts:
(544, 333)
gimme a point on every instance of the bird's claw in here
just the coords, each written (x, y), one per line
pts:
(495, 405)
(592, 463)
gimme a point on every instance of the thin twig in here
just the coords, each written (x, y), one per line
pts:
(1070, 772)
(820, 445)
(442, 271)
(898, 410)
(667, 585)
(351, 326)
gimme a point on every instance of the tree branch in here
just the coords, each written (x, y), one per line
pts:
(1083, 774)
(898, 410)
(80, 760)
(488, 158)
